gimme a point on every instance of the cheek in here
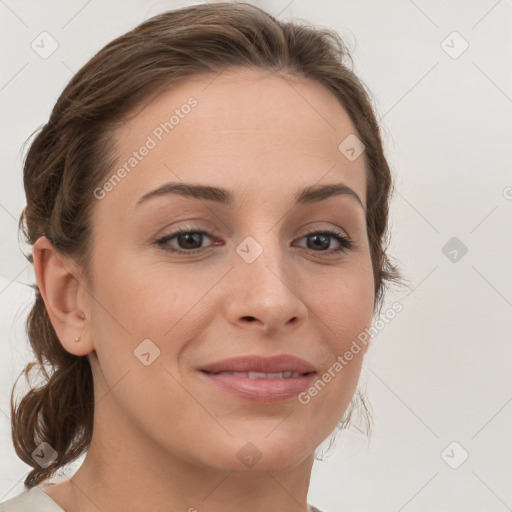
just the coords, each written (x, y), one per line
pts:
(342, 307)
(345, 315)
(145, 299)
(138, 302)
(344, 303)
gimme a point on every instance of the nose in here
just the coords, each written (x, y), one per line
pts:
(264, 293)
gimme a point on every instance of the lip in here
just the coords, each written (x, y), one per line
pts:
(261, 390)
(253, 363)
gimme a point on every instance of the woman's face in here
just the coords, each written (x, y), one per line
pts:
(251, 279)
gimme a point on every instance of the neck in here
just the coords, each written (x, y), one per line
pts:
(126, 470)
(129, 483)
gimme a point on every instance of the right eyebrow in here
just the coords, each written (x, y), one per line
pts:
(221, 195)
(318, 193)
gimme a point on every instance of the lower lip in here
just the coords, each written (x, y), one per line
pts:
(263, 391)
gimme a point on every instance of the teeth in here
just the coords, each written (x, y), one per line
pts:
(262, 375)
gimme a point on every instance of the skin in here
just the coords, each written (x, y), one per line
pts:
(164, 438)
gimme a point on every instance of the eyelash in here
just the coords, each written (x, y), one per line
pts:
(346, 244)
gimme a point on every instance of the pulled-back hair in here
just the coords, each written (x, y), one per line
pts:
(74, 153)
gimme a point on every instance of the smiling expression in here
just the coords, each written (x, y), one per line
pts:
(248, 176)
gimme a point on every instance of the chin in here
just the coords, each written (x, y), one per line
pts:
(263, 453)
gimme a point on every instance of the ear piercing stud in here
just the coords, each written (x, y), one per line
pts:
(82, 316)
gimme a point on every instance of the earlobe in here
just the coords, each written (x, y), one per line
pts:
(59, 288)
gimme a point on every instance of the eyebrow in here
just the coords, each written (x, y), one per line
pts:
(308, 195)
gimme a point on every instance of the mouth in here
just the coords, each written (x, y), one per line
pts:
(263, 375)
(261, 379)
(261, 387)
(277, 366)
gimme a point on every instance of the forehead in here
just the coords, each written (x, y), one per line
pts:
(242, 127)
(243, 99)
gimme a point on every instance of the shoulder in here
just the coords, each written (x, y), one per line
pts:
(32, 500)
(311, 508)
(35, 499)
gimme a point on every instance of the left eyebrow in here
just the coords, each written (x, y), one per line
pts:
(312, 194)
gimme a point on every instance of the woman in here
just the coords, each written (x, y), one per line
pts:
(208, 207)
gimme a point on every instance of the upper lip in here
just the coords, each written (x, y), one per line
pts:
(275, 364)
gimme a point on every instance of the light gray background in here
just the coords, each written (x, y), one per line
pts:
(440, 371)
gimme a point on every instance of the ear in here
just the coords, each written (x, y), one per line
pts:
(64, 297)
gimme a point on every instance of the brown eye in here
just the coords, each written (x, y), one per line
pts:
(188, 241)
(319, 241)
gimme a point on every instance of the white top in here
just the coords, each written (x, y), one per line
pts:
(32, 500)
(36, 500)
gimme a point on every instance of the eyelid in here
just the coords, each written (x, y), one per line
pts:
(344, 240)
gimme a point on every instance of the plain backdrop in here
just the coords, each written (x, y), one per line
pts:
(438, 376)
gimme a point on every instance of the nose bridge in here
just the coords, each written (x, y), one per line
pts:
(260, 227)
(262, 259)
(264, 282)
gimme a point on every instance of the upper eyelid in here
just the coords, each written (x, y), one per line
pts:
(211, 234)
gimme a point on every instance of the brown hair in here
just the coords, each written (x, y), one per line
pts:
(74, 152)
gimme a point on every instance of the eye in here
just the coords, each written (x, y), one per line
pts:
(319, 241)
(188, 240)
